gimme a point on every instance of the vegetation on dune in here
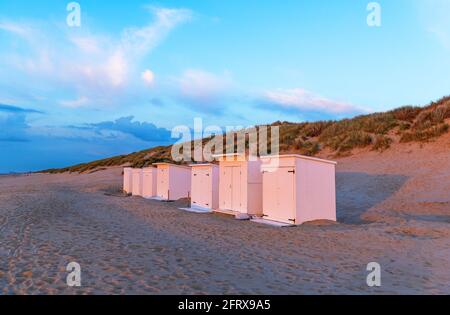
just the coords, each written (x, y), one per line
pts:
(376, 131)
(137, 159)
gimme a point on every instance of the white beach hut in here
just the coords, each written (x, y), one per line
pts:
(149, 182)
(127, 180)
(240, 185)
(298, 189)
(204, 186)
(173, 181)
(137, 181)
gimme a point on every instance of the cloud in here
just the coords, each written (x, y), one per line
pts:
(141, 130)
(19, 29)
(13, 127)
(98, 68)
(434, 16)
(15, 109)
(42, 147)
(441, 35)
(148, 77)
(49, 147)
(299, 99)
(86, 44)
(203, 90)
(79, 102)
(138, 41)
(13, 123)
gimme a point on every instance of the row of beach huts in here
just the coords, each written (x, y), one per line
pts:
(284, 189)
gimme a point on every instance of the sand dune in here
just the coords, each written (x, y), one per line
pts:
(393, 208)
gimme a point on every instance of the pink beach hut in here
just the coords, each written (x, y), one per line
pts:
(240, 185)
(298, 189)
(173, 181)
(137, 181)
(149, 182)
(127, 180)
(204, 186)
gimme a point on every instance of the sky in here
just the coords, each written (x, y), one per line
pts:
(132, 70)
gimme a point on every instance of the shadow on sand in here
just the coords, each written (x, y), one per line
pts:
(358, 192)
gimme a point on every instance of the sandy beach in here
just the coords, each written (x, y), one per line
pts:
(393, 208)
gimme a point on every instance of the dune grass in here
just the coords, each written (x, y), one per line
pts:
(377, 131)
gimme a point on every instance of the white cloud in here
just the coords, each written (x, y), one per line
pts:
(79, 102)
(116, 68)
(16, 28)
(88, 64)
(86, 44)
(148, 77)
(140, 40)
(301, 99)
(434, 17)
(203, 87)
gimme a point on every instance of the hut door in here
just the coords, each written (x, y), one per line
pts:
(203, 186)
(163, 183)
(227, 180)
(286, 194)
(236, 190)
(278, 194)
(207, 180)
(270, 188)
(195, 198)
(147, 184)
(232, 188)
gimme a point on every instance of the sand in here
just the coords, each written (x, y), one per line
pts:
(393, 208)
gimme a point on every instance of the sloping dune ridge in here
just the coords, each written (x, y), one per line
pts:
(393, 208)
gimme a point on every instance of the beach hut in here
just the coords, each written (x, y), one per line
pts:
(149, 182)
(137, 181)
(204, 186)
(298, 189)
(127, 180)
(173, 181)
(240, 185)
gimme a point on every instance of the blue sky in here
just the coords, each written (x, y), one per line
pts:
(135, 69)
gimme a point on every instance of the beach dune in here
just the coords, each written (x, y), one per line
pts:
(393, 208)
